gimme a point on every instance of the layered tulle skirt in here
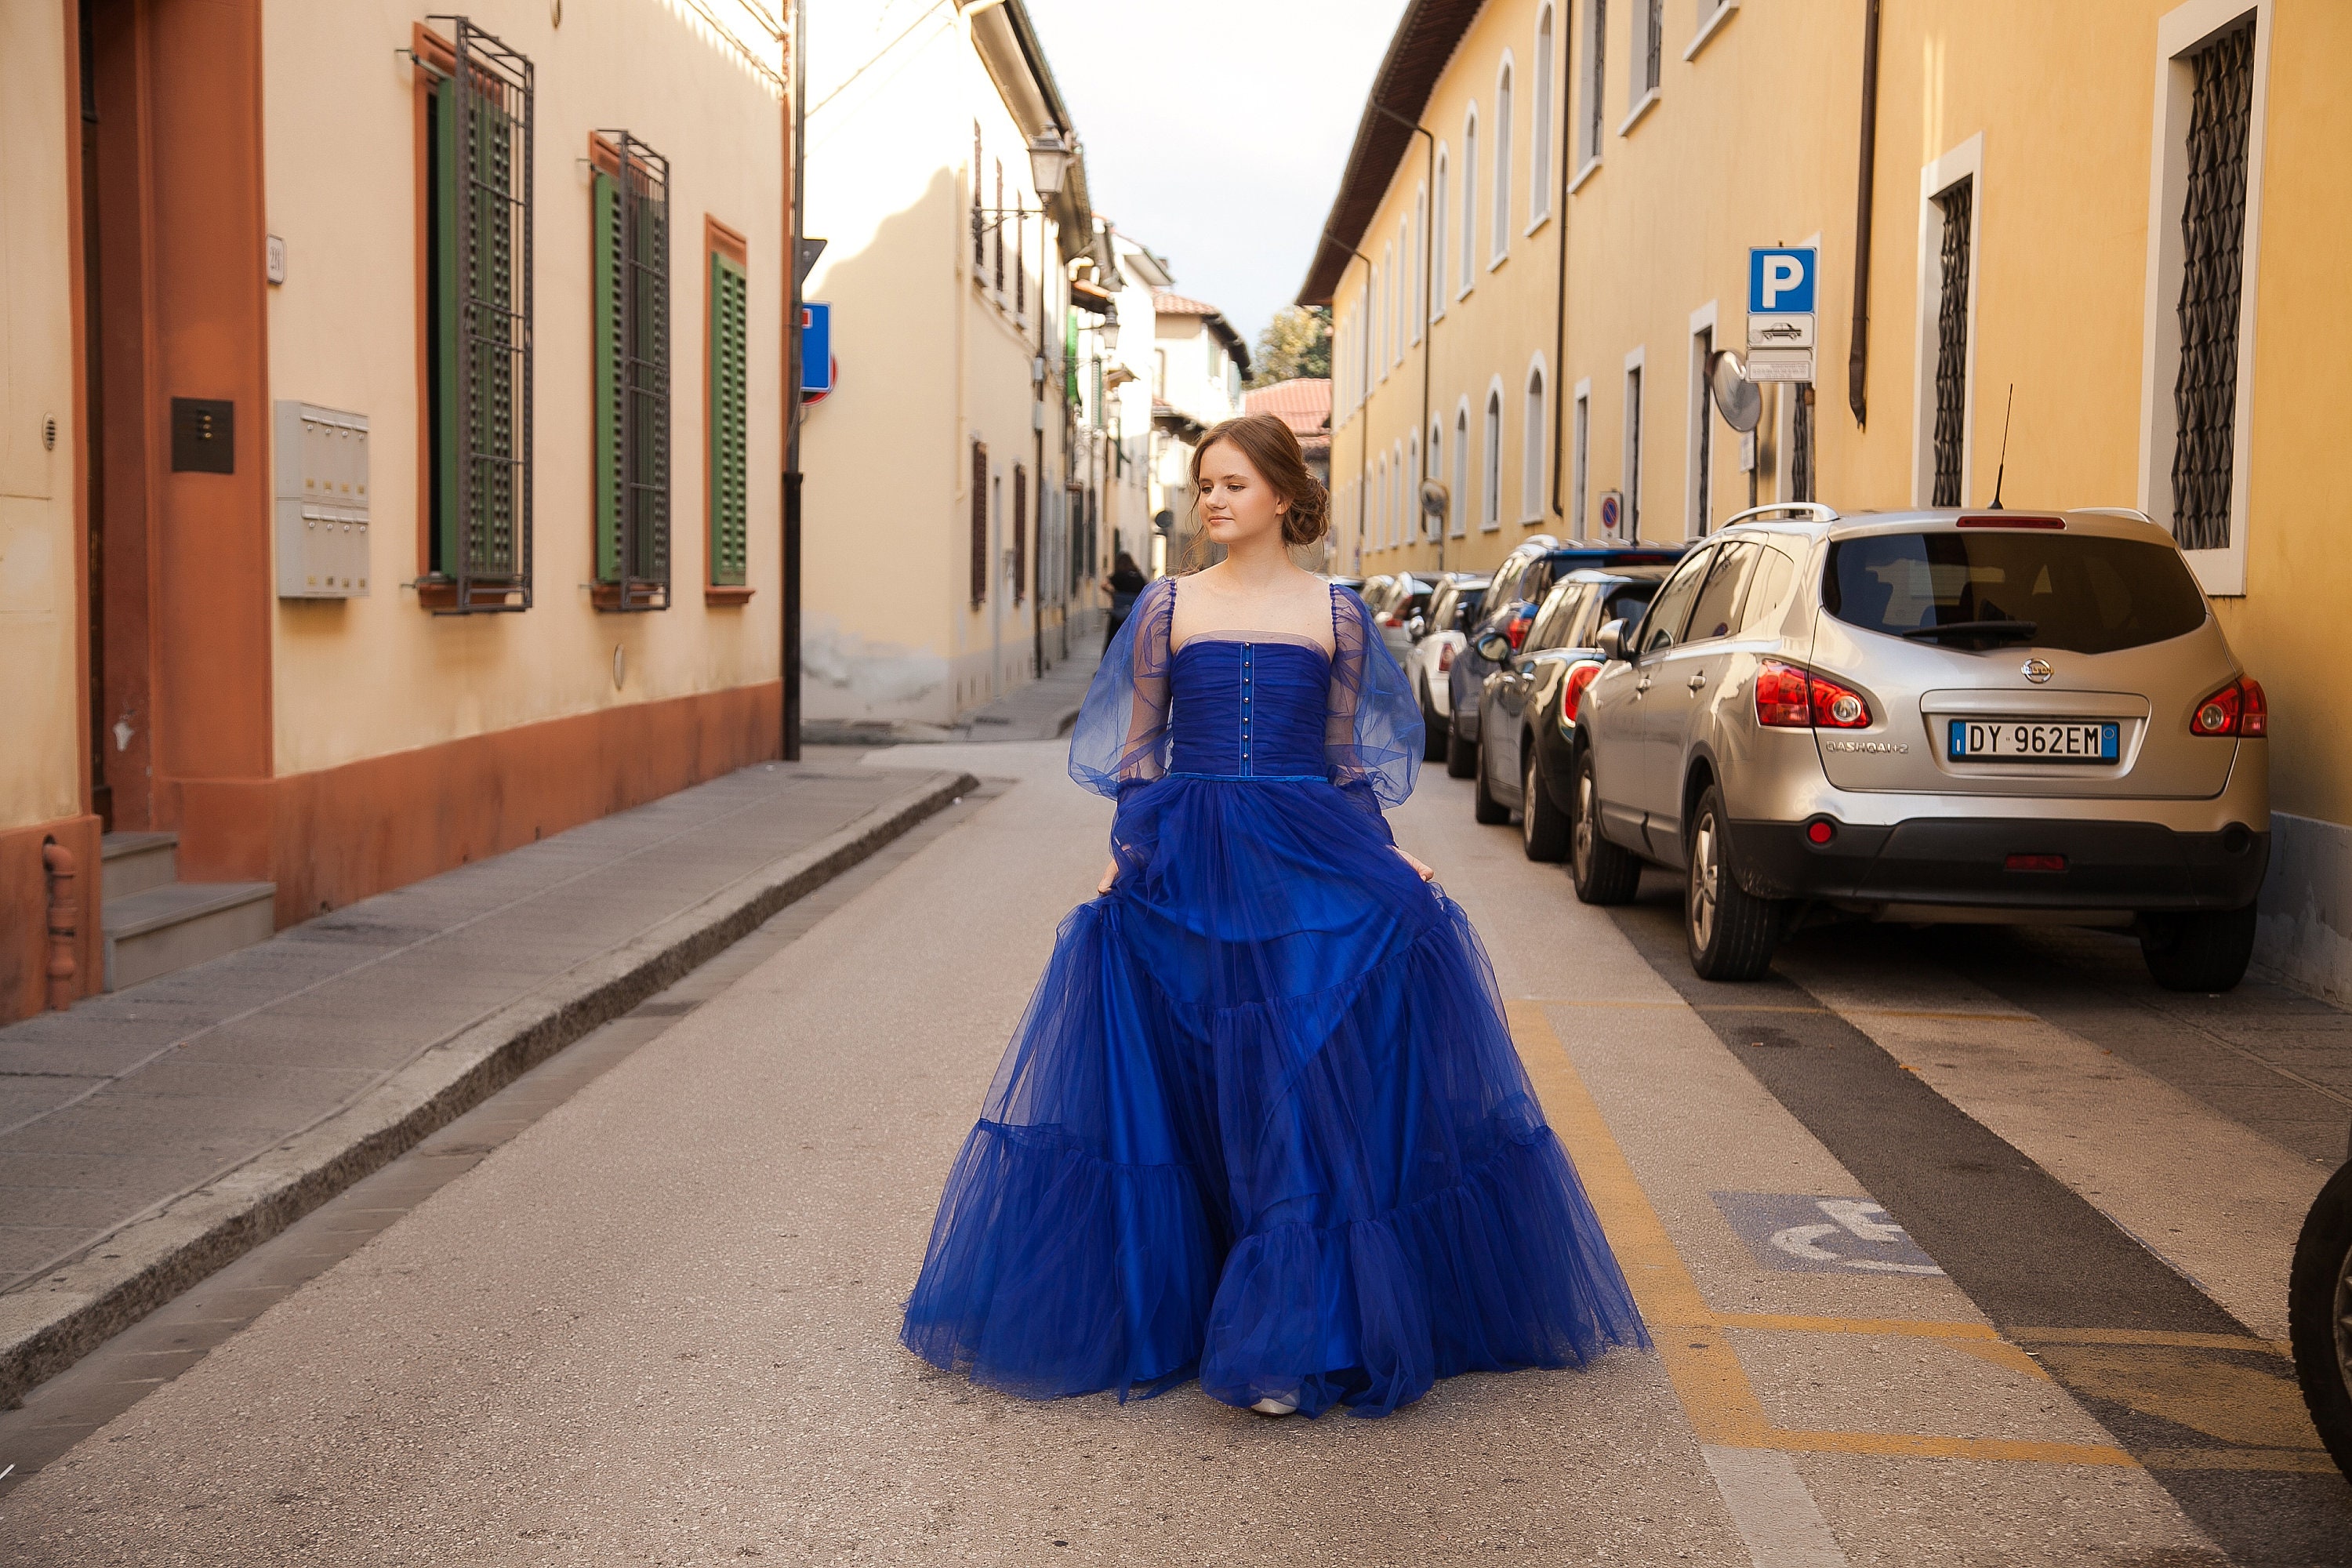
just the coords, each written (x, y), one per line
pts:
(1263, 1124)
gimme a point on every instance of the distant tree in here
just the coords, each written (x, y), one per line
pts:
(1297, 342)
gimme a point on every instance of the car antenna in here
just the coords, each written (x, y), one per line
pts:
(2002, 473)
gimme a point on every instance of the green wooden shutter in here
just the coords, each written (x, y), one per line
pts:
(447, 397)
(607, 268)
(490, 331)
(728, 422)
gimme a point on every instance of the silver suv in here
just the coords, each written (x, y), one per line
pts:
(1931, 716)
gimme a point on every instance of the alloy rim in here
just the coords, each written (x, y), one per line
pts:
(1704, 873)
(2344, 1320)
(1580, 837)
(1528, 799)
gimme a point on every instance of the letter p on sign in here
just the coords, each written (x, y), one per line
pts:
(1781, 282)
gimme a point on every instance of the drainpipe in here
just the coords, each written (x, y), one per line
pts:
(65, 924)
(1036, 521)
(1857, 362)
(796, 221)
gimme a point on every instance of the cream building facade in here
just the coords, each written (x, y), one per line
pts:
(1543, 230)
(1199, 366)
(937, 534)
(319, 551)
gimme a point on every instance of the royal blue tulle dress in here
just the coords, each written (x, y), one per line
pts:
(1262, 1122)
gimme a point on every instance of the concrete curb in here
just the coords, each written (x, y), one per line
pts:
(46, 1327)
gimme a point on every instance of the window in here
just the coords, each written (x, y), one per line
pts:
(1020, 530)
(1458, 512)
(1439, 235)
(1540, 131)
(1408, 269)
(1952, 346)
(1952, 211)
(1491, 480)
(1595, 76)
(2204, 234)
(725, 409)
(1800, 441)
(1716, 612)
(1502, 239)
(1409, 515)
(1650, 63)
(1580, 475)
(979, 524)
(979, 223)
(1383, 285)
(997, 229)
(1531, 457)
(2211, 296)
(477, 349)
(1430, 523)
(1631, 523)
(2079, 592)
(1662, 626)
(1379, 528)
(629, 202)
(1469, 199)
(1701, 520)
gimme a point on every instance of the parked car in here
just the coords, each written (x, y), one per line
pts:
(1523, 760)
(1436, 642)
(2319, 1314)
(1407, 597)
(1927, 716)
(1513, 595)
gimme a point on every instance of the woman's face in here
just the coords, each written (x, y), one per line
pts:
(1236, 503)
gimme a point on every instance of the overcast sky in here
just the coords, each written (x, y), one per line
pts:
(1215, 130)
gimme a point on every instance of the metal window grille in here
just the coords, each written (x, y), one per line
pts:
(632, 281)
(1021, 264)
(1596, 75)
(979, 230)
(729, 352)
(1703, 438)
(2213, 234)
(997, 229)
(1800, 443)
(1631, 521)
(979, 524)
(1952, 344)
(1653, 66)
(481, 310)
(1020, 530)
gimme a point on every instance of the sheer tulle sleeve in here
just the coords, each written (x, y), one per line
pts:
(1371, 728)
(1121, 735)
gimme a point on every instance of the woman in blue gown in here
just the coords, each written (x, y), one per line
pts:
(1262, 1121)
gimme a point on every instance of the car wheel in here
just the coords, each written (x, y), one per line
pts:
(2205, 950)
(1461, 755)
(1604, 873)
(1730, 932)
(1543, 826)
(1490, 811)
(2319, 1315)
(1434, 728)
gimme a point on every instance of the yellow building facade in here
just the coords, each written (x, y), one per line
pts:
(2016, 175)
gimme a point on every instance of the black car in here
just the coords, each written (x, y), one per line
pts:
(1513, 596)
(1523, 747)
(2319, 1314)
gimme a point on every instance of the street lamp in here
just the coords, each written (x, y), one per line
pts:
(1106, 332)
(1049, 160)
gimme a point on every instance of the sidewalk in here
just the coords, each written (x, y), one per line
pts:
(1039, 710)
(149, 1136)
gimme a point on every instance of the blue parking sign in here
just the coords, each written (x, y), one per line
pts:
(817, 348)
(1781, 281)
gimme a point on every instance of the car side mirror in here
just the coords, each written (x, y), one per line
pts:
(1495, 648)
(1610, 641)
(1416, 628)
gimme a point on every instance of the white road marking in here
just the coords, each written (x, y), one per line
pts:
(1772, 1509)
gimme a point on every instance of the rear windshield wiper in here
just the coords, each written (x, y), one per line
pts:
(1983, 632)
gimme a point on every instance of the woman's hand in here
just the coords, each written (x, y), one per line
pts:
(1426, 873)
(1110, 875)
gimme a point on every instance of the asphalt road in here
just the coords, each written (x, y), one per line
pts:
(1955, 1253)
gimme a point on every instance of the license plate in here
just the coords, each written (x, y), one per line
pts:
(2034, 741)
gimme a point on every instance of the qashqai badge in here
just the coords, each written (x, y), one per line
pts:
(2037, 670)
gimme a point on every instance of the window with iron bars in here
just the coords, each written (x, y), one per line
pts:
(1952, 345)
(2213, 237)
(1020, 530)
(1801, 442)
(1655, 47)
(630, 205)
(477, 317)
(979, 524)
(728, 418)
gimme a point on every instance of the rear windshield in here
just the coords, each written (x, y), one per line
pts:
(1466, 608)
(2079, 592)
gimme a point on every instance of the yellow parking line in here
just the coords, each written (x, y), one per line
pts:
(2151, 1337)
(1981, 1341)
(1714, 1389)
(1679, 1006)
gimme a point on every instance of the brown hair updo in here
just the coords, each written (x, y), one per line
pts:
(1274, 452)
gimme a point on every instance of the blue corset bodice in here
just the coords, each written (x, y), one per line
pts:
(1248, 709)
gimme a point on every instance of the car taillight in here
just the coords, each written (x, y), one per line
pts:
(1577, 679)
(1391, 621)
(2238, 709)
(1518, 630)
(1446, 658)
(1780, 698)
(1788, 698)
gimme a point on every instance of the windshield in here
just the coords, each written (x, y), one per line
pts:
(2079, 592)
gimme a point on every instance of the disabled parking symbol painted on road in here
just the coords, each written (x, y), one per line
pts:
(1837, 1236)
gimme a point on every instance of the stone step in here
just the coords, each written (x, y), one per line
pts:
(169, 928)
(134, 862)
